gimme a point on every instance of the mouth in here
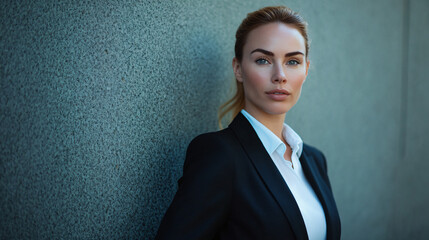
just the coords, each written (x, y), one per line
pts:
(278, 92)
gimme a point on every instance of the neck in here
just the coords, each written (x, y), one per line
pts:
(274, 122)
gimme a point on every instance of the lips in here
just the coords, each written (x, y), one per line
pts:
(278, 94)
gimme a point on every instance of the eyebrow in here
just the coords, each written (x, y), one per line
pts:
(272, 54)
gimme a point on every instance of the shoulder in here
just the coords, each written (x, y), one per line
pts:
(212, 143)
(312, 150)
(316, 155)
(213, 149)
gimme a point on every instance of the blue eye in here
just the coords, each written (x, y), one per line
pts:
(262, 61)
(292, 62)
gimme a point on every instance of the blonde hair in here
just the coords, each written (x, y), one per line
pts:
(253, 20)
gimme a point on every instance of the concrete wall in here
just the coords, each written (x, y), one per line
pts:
(411, 219)
(99, 100)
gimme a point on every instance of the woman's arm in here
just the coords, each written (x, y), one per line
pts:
(201, 203)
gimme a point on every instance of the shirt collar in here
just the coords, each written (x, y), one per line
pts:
(270, 141)
(293, 139)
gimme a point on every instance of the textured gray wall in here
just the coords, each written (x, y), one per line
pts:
(99, 101)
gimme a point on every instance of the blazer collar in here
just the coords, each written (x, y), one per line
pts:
(269, 174)
(324, 194)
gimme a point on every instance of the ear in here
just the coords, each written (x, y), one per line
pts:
(236, 66)
(306, 69)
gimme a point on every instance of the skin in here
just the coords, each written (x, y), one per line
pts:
(273, 58)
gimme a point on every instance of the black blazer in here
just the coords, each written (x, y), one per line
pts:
(231, 189)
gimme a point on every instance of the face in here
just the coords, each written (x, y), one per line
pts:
(273, 69)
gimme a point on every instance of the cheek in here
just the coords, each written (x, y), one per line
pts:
(296, 79)
(254, 80)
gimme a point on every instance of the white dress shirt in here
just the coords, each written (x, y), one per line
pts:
(308, 203)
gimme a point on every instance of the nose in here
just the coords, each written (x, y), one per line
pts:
(279, 75)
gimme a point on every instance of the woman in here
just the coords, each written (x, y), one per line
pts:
(256, 179)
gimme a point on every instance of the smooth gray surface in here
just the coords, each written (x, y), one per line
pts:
(99, 100)
(412, 195)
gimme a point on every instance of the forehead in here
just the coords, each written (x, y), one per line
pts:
(275, 37)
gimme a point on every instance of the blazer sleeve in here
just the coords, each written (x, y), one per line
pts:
(201, 203)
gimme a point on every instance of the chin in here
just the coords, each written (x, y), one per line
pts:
(277, 111)
(283, 109)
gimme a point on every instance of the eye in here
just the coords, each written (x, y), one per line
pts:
(293, 62)
(262, 61)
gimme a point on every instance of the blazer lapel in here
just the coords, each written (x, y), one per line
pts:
(269, 174)
(323, 192)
